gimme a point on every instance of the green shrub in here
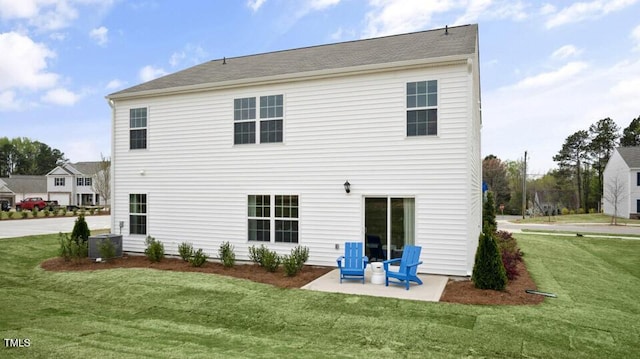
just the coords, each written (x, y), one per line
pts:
(564, 211)
(488, 270)
(580, 211)
(256, 254)
(572, 212)
(92, 211)
(293, 263)
(10, 214)
(185, 250)
(227, 256)
(70, 249)
(270, 260)
(81, 230)
(24, 214)
(290, 265)
(107, 249)
(47, 213)
(592, 210)
(154, 250)
(198, 259)
(34, 212)
(75, 212)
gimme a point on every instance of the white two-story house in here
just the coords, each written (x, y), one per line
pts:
(71, 184)
(621, 190)
(375, 140)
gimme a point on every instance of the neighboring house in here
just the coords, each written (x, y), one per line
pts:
(18, 187)
(314, 146)
(622, 183)
(71, 184)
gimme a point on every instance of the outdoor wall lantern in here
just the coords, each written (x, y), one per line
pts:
(347, 187)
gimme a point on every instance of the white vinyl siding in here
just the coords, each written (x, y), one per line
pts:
(337, 129)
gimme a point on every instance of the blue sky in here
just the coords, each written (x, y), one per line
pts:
(548, 68)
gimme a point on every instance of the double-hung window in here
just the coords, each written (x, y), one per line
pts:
(638, 179)
(422, 108)
(259, 218)
(267, 118)
(271, 118)
(273, 218)
(58, 181)
(137, 128)
(244, 116)
(137, 213)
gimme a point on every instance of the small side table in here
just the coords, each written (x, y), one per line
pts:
(377, 273)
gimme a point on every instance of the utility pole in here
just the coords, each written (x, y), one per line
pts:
(524, 186)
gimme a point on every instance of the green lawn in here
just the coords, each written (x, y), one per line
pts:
(577, 218)
(146, 313)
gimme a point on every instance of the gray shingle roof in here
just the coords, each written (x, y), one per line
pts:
(460, 40)
(26, 184)
(631, 155)
(87, 168)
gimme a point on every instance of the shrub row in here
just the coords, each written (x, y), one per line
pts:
(270, 260)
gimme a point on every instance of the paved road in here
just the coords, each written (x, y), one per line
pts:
(504, 224)
(29, 227)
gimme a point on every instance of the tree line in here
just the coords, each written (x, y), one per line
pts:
(577, 183)
(23, 156)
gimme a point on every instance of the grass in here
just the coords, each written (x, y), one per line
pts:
(573, 233)
(130, 313)
(578, 218)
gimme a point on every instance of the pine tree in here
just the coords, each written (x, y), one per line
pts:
(81, 230)
(488, 270)
(489, 214)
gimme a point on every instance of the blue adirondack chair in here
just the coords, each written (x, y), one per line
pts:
(355, 262)
(408, 267)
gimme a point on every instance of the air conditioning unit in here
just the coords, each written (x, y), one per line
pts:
(95, 241)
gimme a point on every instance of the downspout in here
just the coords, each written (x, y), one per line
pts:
(112, 178)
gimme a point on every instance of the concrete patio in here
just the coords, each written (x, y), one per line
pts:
(430, 291)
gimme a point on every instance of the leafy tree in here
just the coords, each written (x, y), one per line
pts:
(604, 138)
(514, 180)
(23, 156)
(494, 173)
(631, 134)
(572, 156)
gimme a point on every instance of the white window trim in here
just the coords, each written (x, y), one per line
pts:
(272, 218)
(129, 128)
(436, 107)
(258, 120)
(129, 214)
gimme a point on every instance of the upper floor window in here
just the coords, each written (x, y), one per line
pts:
(422, 108)
(58, 181)
(638, 180)
(83, 181)
(137, 128)
(268, 119)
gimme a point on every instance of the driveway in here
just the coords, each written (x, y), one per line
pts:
(29, 227)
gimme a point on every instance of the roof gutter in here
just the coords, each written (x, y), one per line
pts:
(299, 76)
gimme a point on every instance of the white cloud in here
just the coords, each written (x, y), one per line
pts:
(60, 96)
(635, 36)
(566, 51)
(150, 72)
(553, 78)
(547, 9)
(8, 101)
(58, 36)
(100, 35)
(388, 17)
(581, 11)
(24, 63)
(255, 4)
(115, 84)
(322, 4)
(190, 55)
(49, 15)
(488, 9)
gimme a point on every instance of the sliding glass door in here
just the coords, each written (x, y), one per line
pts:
(389, 226)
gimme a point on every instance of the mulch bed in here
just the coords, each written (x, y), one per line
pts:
(456, 291)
